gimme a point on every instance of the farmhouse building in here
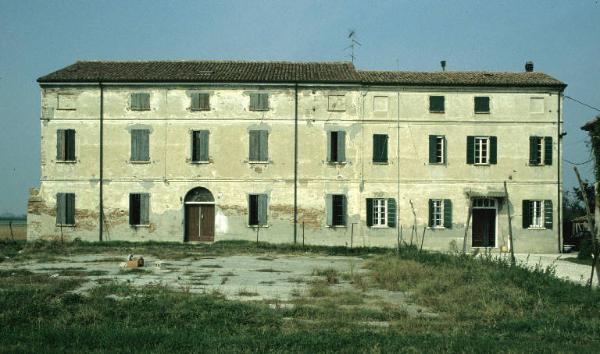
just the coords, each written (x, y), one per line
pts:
(317, 151)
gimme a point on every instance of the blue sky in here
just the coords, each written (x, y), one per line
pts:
(37, 37)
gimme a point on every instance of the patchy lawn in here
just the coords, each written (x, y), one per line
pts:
(246, 297)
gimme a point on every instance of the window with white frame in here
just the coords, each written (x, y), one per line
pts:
(439, 149)
(482, 151)
(437, 213)
(537, 213)
(380, 212)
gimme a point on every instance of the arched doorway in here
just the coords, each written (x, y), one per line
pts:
(199, 207)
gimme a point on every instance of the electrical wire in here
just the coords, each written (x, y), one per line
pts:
(582, 103)
(578, 163)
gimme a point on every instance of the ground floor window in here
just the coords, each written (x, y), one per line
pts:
(537, 214)
(257, 210)
(381, 212)
(65, 209)
(336, 209)
(440, 213)
(139, 209)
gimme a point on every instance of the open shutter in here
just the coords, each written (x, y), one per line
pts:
(344, 210)
(341, 146)
(262, 209)
(195, 146)
(329, 138)
(60, 145)
(134, 209)
(329, 207)
(70, 145)
(447, 213)
(548, 215)
(384, 148)
(144, 209)
(60, 208)
(254, 143)
(432, 148)
(264, 145)
(202, 145)
(533, 150)
(548, 150)
(493, 150)
(430, 222)
(526, 214)
(470, 150)
(391, 210)
(369, 212)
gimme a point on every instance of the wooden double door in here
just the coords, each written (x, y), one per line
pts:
(200, 222)
(484, 227)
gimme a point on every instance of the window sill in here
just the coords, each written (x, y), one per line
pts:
(337, 163)
(199, 110)
(482, 164)
(258, 226)
(437, 163)
(140, 162)
(436, 227)
(381, 163)
(336, 110)
(259, 110)
(199, 162)
(66, 109)
(141, 225)
(537, 165)
(65, 225)
(67, 162)
(437, 112)
(139, 110)
(259, 162)
(379, 227)
(488, 113)
(337, 226)
(536, 228)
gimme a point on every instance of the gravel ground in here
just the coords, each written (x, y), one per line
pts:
(574, 272)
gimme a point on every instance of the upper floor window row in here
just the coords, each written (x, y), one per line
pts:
(199, 101)
(481, 104)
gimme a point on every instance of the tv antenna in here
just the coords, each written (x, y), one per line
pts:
(353, 44)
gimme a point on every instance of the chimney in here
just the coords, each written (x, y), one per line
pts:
(529, 66)
(443, 63)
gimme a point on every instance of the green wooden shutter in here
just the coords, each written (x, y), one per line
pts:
(548, 214)
(203, 137)
(145, 101)
(134, 209)
(526, 214)
(341, 146)
(60, 208)
(135, 101)
(369, 212)
(391, 210)
(195, 101)
(70, 209)
(344, 210)
(70, 145)
(432, 148)
(195, 146)
(534, 156)
(436, 104)
(470, 150)
(60, 145)
(493, 150)
(144, 209)
(264, 145)
(135, 137)
(253, 101)
(254, 143)
(204, 103)
(447, 213)
(384, 146)
(262, 209)
(144, 148)
(430, 222)
(329, 207)
(329, 142)
(263, 101)
(548, 150)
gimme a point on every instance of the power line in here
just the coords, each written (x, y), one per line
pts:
(578, 163)
(582, 103)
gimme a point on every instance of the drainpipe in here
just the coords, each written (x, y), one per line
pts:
(101, 204)
(398, 166)
(558, 191)
(295, 161)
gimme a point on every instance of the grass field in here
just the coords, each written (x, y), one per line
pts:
(481, 305)
(19, 231)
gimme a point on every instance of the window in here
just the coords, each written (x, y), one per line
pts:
(536, 105)
(436, 104)
(336, 103)
(140, 139)
(336, 147)
(65, 209)
(381, 212)
(140, 101)
(537, 214)
(437, 149)
(200, 101)
(380, 148)
(66, 101)
(200, 146)
(482, 105)
(440, 213)
(482, 150)
(259, 102)
(139, 207)
(257, 210)
(65, 145)
(540, 150)
(336, 210)
(259, 146)
(380, 103)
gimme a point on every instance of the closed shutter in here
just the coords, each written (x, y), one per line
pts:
(548, 215)
(344, 210)
(135, 101)
(60, 208)
(140, 101)
(195, 101)
(70, 209)
(369, 212)
(204, 101)
(432, 149)
(447, 213)
(380, 148)
(430, 222)
(145, 100)
(341, 146)
(144, 209)
(70, 145)
(60, 145)
(384, 148)
(143, 145)
(526, 214)
(254, 145)
(534, 152)
(391, 210)
(200, 146)
(548, 150)
(493, 150)
(470, 150)
(253, 101)
(134, 145)
(264, 145)
(263, 101)
(262, 209)
(329, 207)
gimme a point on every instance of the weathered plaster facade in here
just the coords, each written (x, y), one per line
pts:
(400, 111)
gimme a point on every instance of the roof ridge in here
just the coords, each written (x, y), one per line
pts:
(218, 61)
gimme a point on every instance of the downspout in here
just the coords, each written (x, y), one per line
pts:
(295, 162)
(558, 188)
(101, 203)
(398, 167)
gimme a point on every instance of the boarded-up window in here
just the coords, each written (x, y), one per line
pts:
(200, 146)
(337, 103)
(536, 105)
(66, 101)
(259, 146)
(336, 209)
(259, 101)
(140, 145)
(482, 104)
(65, 145)
(380, 103)
(380, 148)
(257, 210)
(436, 104)
(140, 101)
(200, 101)
(65, 209)
(336, 146)
(139, 209)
